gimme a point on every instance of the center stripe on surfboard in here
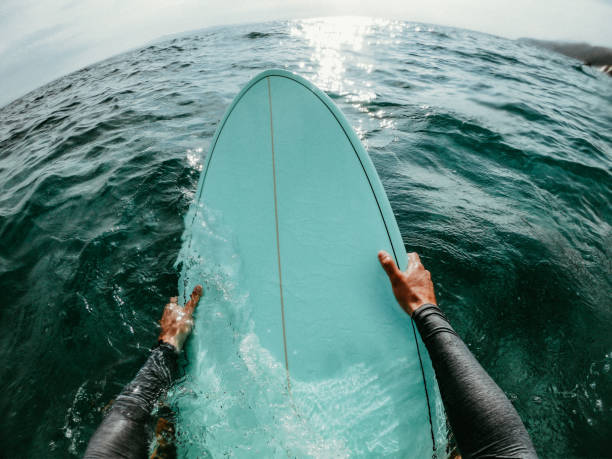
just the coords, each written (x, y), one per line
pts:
(278, 253)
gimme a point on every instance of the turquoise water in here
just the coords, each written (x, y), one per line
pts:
(496, 157)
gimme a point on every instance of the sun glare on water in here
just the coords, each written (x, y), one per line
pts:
(333, 42)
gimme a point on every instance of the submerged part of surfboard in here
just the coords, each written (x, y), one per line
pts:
(299, 346)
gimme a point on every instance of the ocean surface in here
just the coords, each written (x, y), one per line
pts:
(496, 157)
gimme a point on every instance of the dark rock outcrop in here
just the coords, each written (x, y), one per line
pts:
(596, 56)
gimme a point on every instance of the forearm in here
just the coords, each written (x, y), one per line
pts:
(483, 420)
(122, 433)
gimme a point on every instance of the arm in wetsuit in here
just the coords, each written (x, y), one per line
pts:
(123, 432)
(483, 420)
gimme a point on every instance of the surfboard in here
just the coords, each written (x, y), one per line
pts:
(288, 186)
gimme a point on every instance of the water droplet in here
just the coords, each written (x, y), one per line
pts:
(599, 405)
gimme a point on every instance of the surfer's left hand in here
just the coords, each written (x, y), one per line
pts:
(177, 322)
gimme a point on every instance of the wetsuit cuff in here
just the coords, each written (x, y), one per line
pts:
(166, 347)
(430, 320)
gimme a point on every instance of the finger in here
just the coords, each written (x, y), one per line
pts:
(173, 300)
(413, 261)
(388, 265)
(195, 299)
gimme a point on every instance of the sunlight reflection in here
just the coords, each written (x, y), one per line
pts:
(344, 46)
(333, 41)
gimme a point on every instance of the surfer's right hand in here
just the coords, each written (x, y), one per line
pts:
(177, 322)
(412, 288)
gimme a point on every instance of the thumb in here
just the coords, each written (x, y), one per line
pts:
(388, 265)
(195, 298)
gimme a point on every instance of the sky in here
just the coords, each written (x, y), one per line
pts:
(41, 40)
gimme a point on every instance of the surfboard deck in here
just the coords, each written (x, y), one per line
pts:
(288, 186)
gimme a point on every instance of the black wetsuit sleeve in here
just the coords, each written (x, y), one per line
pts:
(123, 433)
(483, 420)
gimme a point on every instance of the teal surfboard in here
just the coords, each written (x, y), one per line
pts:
(299, 348)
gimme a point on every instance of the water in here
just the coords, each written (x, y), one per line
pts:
(496, 157)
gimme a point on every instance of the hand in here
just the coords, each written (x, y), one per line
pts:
(177, 322)
(412, 288)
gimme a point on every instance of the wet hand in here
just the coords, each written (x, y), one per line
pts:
(412, 288)
(177, 322)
